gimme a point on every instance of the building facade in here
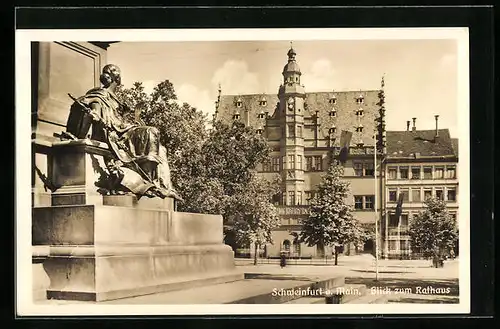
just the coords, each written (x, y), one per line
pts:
(303, 130)
(419, 164)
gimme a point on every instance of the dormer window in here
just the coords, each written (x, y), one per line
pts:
(262, 102)
(239, 103)
(360, 112)
(359, 129)
(359, 99)
(332, 112)
(261, 115)
(332, 130)
(259, 131)
(360, 144)
(332, 100)
(236, 116)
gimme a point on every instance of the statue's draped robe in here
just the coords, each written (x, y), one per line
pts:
(136, 146)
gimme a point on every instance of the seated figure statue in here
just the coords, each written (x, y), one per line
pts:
(139, 163)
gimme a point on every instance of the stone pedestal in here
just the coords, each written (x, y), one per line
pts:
(110, 247)
(76, 166)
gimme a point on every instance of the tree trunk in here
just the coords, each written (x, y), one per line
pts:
(336, 255)
(255, 254)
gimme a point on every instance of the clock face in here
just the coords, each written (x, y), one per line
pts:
(290, 100)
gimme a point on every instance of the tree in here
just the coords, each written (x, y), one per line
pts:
(433, 232)
(330, 221)
(183, 133)
(136, 99)
(232, 153)
(253, 215)
(213, 171)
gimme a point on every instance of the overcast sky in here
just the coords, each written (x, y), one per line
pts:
(420, 75)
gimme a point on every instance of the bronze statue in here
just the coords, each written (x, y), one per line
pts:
(139, 163)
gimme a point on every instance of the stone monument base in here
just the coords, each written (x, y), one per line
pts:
(104, 252)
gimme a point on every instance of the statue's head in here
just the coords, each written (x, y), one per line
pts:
(110, 73)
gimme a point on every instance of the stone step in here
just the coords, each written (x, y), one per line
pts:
(324, 282)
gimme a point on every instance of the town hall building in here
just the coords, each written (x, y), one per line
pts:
(303, 129)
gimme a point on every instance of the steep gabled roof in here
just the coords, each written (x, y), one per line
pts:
(419, 143)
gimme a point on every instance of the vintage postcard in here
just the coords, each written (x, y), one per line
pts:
(242, 171)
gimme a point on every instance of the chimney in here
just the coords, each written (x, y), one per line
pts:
(407, 125)
(414, 127)
(437, 131)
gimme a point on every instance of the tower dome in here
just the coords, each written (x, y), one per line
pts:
(291, 66)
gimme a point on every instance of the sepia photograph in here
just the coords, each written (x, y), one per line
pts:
(242, 171)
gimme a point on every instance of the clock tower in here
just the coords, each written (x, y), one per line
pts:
(291, 96)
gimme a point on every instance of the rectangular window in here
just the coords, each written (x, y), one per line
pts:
(369, 201)
(393, 196)
(403, 172)
(309, 163)
(299, 131)
(291, 130)
(439, 194)
(427, 172)
(283, 201)
(415, 172)
(393, 172)
(393, 244)
(291, 161)
(369, 169)
(358, 202)
(291, 198)
(318, 163)
(299, 162)
(451, 172)
(266, 166)
(427, 194)
(438, 172)
(404, 220)
(405, 194)
(415, 195)
(275, 162)
(308, 197)
(358, 168)
(299, 198)
(452, 194)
